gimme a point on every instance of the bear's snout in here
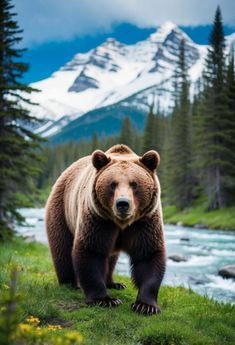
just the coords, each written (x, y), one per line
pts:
(122, 206)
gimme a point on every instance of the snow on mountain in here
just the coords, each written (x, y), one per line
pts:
(230, 41)
(114, 72)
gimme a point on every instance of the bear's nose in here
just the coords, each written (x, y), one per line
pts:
(122, 205)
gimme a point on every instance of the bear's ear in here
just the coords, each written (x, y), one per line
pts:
(151, 160)
(99, 159)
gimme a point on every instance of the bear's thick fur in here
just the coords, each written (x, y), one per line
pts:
(103, 204)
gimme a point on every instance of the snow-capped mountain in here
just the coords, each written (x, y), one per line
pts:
(115, 73)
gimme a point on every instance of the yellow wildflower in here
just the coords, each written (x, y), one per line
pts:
(39, 331)
(54, 327)
(24, 327)
(33, 320)
(74, 336)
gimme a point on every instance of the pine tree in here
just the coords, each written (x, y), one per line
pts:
(94, 143)
(214, 122)
(159, 130)
(17, 143)
(198, 184)
(166, 164)
(231, 82)
(126, 134)
(137, 143)
(230, 85)
(181, 180)
(149, 131)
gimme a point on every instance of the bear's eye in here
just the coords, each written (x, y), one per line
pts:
(113, 185)
(133, 185)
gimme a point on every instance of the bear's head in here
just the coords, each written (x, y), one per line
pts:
(126, 187)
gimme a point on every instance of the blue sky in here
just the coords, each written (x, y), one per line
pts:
(55, 30)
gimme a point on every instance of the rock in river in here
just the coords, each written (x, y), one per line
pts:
(177, 258)
(185, 239)
(227, 271)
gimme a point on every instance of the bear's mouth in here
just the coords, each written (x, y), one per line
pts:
(123, 221)
(123, 216)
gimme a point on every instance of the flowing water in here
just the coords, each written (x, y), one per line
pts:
(205, 250)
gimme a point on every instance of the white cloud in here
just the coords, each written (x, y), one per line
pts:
(45, 20)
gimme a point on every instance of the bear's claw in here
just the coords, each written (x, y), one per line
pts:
(116, 286)
(106, 302)
(145, 309)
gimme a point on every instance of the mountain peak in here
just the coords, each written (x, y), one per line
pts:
(162, 32)
(110, 41)
(167, 26)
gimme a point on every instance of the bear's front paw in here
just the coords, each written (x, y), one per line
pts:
(145, 309)
(116, 286)
(105, 302)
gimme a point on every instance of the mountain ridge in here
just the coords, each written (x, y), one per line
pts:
(114, 72)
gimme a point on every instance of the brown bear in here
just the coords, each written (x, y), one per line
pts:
(103, 204)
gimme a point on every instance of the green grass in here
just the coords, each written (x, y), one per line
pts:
(218, 219)
(186, 317)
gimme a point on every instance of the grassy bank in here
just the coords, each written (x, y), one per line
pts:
(186, 317)
(199, 215)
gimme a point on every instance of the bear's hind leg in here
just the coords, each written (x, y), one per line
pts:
(60, 242)
(110, 284)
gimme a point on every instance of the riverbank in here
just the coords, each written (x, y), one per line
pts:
(186, 317)
(198, 216)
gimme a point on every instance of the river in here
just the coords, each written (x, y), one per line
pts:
(205, 250)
